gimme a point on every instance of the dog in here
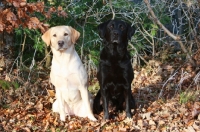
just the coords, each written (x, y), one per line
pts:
(115, 72)
(68, 74)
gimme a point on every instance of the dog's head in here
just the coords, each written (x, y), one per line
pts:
(116, 31)
(60, 37)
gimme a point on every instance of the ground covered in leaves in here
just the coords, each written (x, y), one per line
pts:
(167, 97)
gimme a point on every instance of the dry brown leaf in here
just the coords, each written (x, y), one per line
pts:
(197, 105)
(51, 93)
(146, 115)
(167, 67)
(165, 114)
(27, 129)
(39, 105)
(140, 123)
(161, 122)
(153, 127)
(195, 112)
(128, 120)
(55, 122)
(122, 129)
(53, 129)
(190, 123)
(190, 129)
(22, 4)
(7, 78)
(196, 125)
(151, 122)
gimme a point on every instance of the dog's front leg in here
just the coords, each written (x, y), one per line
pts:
(61, 104)
(104, 95)
(127, 100)
(86, 101)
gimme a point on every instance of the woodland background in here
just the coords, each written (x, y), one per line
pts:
(165, 56)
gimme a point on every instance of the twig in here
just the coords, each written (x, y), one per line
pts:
(184, 76)
(23, 44)
(45, 58)
(169, 79)
(31, 66)
(175, 37)
(110, 4)
(138, 54)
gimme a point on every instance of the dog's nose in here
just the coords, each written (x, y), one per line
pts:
(60, 43)
(115, 33)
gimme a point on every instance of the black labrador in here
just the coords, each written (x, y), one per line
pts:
(115, 72)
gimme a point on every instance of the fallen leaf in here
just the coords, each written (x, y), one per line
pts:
(39, 106)
(140, 123)
(196, 125)
(190, 129)
(195, 112)
(151, 122)
(161, 122)
(146, 115)
(190, 123)
(51, 93)
(122, 129)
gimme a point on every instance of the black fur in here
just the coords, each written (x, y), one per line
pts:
(115, 72)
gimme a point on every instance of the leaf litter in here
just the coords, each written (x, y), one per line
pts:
(162, 93)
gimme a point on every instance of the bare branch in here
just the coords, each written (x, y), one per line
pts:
(175, 37)
(110, 3)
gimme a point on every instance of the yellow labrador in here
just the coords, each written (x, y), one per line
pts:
(68, 74)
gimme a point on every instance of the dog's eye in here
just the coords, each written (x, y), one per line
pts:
(54, 35)
(65, 34)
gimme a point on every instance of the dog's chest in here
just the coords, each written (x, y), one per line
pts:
(115, 73)
(64, 67)
(60, 70)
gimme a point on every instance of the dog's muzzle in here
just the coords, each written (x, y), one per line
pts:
(61, 46)
(115, 37)
(60, 43)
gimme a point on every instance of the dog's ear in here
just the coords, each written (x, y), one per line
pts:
(102, 28)
(46, 37)
(75, 35)
(131, 31)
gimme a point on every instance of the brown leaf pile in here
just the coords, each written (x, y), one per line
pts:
(18, 13)
(28, 108)
(167, 97)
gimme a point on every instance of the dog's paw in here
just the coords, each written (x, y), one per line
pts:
(55, 107)
(91, 117)
(128, 115)
(62, 117)
(105, 118)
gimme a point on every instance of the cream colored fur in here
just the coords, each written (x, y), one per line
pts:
(68, 74)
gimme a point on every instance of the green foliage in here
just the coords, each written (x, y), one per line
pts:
(4, 84)
(187, 96)
(7, 85)
(33, 42)
(85, 16)
(154, 29)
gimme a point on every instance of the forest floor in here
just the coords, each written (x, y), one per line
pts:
(167, 97)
